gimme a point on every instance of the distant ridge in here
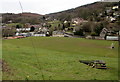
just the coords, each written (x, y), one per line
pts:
(24, 17)
(30, 14)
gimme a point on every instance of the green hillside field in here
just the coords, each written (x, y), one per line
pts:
(55, 58)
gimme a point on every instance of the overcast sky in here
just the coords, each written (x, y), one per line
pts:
(40, 6)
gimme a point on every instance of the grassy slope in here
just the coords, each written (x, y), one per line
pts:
(58, 58)
(0, 57)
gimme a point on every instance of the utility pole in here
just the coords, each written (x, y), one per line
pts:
(21, 6)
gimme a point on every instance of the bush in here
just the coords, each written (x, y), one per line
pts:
(93, 34)
(79, 32)
(32, 29)
(19, 26)
(87, 27)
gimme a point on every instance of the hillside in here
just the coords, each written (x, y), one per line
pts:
(84, 11)
(21, 17)
(98, 15)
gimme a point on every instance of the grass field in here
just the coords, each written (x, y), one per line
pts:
(54, 58)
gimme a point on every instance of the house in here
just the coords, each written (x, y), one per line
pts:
(108, 9)
(32, 33)
(36, 26)
(22, 29)
(115, 7)
(58, 34)
(116, 14)
(27, 25)
(112, 38)
(27, 28)
(65, 21)
(42, 31)
(55, 19)
(10, 21)
(112, 19)
(69, 34)
(100, 14)
(39, 34)
(103, 32)
(73, 24)
(78, 20)
(23, 34)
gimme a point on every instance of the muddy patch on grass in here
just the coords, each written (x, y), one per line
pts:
(4, 67)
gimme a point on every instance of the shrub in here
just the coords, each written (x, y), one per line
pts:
(93, 34)
(79, 32)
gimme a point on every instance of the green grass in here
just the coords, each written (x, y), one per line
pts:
(0, 57)
(58, 58)
(14, 24)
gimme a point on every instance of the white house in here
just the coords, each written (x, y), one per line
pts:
(57, 34)
(115, 7)
(112, 38)
(65, 21)
(112, 19)
(39, 34)
(22, 29)
(103, 32)
(78, 20)
(23, 34)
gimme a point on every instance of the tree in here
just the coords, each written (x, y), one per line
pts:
(86, 27)
(63, 26)
(6, 32)
(79, 31)
(32, 29)
(43, 18)
(59, 25)
(66, 25)
(18, 26)
(51, 30)
(98, 28)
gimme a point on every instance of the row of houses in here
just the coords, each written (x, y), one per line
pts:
(101, 37)
(32, 30)
(63, 34)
